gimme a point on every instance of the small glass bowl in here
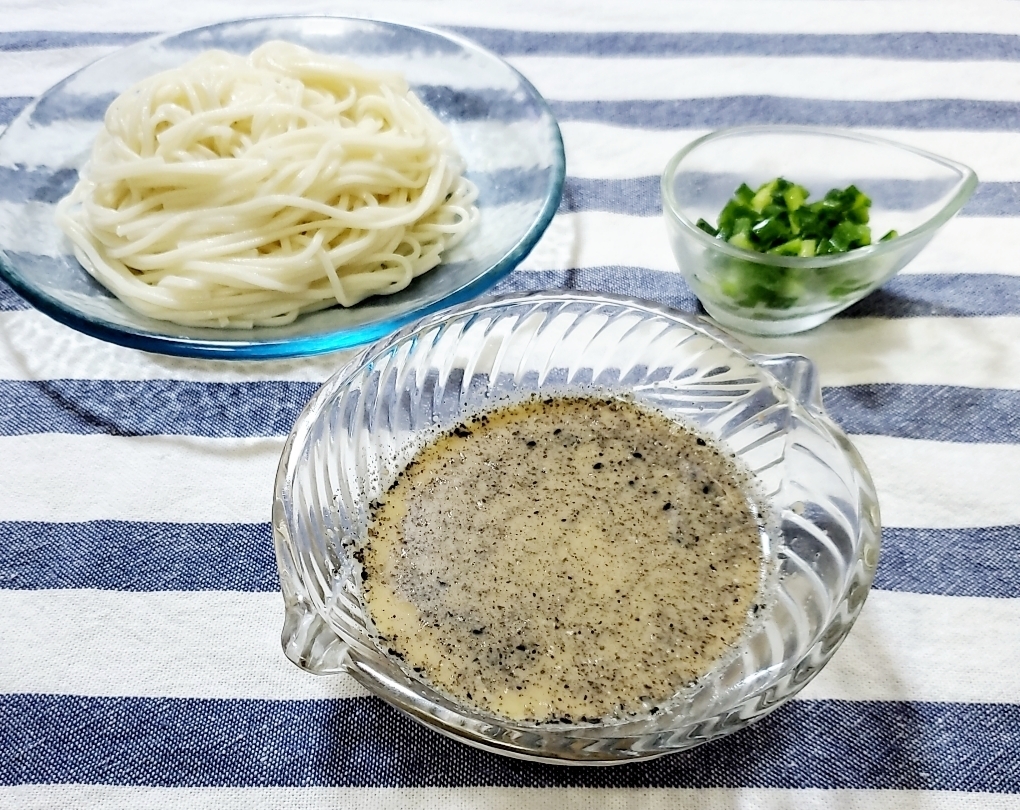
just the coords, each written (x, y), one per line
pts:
(913, 192)
(363, 426)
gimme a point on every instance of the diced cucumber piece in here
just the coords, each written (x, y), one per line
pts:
(776, 218)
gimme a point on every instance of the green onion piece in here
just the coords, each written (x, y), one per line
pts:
(741, 240)
(795, 196)
(763, 196)
(703, 224)
(744, 194)
(777, 218)
(778, 213)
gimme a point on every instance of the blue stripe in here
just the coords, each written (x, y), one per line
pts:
(360, 742)
(640, 196)
(500, 187)
(639, 282)
(269, 408)
(61, 105)
(139, 556)
(951, 562)
(960, 295)
(151, 407)
(904, 296)
(38, 185)
(994, 200)
(712, 113)
(906, 46)
(699, 113)
(134, 556)
(446, 102)
(654, 285)
(48, 40)
(634, 196)
(949, 295)
(10, 106)
(943, 413)
(10, 301)
(353, 42)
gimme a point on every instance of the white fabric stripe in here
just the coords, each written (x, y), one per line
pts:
(61, 477)
(970, 245)
(607, 151)
(32, 153)
(577, 78)
(111, 797)
(35, 154)
(32, 228)
(923, 483)
(35, 347)
(604, 150)
(973, 352)
(593, 239)
(609, 78)
(910, 646)
(905, 646)
(32, 72)
(29, 73)
(744, 16)
(54, 477)
(598, 238)
(209, 644)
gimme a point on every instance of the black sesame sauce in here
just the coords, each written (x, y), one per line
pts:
(564, 558)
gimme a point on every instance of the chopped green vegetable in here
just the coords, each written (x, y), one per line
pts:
(778, 213)
(776, 218)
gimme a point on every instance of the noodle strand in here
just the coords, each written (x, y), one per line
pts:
(241, 192)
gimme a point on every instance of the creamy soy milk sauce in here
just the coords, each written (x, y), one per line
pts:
(565, 559)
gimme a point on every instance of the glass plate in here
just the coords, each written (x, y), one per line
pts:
(502, 127)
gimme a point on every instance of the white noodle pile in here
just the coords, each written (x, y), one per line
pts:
(239, 192)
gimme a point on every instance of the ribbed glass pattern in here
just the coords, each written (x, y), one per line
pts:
(367, 422)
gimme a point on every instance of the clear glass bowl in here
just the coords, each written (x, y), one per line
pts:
(367, 421)
(913, 192)
(502, 127)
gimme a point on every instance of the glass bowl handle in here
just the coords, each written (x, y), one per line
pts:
(798, 375)
(310, 642)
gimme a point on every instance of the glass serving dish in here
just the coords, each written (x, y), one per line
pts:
(500, 124)
(913, 192)
(368, 420)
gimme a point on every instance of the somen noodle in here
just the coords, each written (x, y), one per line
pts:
(239, 192)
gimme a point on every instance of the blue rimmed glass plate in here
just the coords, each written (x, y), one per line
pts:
(502, 127)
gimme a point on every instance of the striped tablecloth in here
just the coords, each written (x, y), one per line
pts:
(140, 663)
